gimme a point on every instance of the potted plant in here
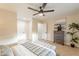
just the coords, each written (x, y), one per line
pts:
(74, 28)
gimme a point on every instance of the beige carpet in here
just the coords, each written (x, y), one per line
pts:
(64, 50)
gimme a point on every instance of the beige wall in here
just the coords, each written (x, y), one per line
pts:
(8, 24)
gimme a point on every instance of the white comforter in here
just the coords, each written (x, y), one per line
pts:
(40, 49)
(20, 50)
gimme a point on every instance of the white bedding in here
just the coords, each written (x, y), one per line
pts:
(38, 49)
(44, 44)
(34, 49)
(20, 50)
(47, 46)
(6, 51)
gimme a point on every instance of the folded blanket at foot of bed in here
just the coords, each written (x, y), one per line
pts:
(39, 51)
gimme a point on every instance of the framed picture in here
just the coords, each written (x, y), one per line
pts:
(60, 25)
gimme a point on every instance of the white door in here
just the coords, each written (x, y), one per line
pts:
(42, 31)
(21, 37)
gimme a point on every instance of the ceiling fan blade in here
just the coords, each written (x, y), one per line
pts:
(33, 9)
(35, 14)
(49, 11)
(44, 5)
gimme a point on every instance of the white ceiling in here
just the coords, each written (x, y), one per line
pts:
(61, 9)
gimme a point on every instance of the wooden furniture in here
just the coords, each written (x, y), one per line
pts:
(59, 37)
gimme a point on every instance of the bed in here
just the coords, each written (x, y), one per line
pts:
(39, 50)
(27, 49)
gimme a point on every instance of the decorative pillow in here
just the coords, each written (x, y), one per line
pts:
(5, 51)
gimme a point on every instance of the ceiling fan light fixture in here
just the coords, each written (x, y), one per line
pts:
(40, 14)
(41, 10)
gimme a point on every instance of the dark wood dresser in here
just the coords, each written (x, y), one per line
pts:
(59, 37)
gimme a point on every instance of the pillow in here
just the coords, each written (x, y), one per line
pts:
(5, 51)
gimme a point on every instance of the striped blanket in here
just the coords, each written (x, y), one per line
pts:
(39, 51)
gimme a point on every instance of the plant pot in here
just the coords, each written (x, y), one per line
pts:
(73, 45)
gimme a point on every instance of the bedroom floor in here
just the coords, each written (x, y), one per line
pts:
(67, 50)
(64, 50)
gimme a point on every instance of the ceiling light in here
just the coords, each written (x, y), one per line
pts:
(40, 14)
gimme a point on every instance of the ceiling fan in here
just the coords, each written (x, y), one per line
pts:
(41, 10)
